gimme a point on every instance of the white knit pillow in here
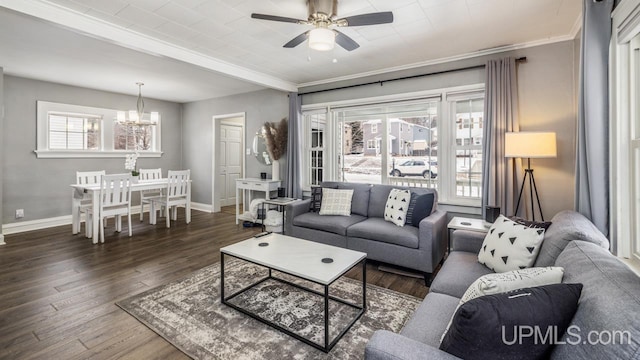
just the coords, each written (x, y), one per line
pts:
(397, 206)
(336, 202)
(510, 246)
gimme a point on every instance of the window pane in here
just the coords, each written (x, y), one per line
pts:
(57, 123)
(469, 134)
(57, 140)
(69, 132)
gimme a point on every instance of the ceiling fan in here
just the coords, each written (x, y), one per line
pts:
(323, 16)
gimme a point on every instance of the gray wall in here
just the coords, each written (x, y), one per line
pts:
(547, 96)
(41, 186)
(259, 106)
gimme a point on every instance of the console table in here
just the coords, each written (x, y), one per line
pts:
(249, 185)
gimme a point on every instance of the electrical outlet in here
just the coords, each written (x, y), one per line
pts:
(19, 213)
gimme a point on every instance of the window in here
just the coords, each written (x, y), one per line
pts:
(65, 130)
(432, 141)
(316, 125)
(468, 146)
(74, 131)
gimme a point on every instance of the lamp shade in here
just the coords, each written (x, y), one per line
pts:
(322, 39)
(527, 144)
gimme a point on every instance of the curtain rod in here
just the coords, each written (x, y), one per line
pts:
(381, 82)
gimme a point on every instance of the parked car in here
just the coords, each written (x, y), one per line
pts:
(417, 167)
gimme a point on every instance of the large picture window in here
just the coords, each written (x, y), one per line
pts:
(434, 140)
(65, 130)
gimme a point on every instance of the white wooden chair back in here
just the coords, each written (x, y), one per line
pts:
(89, 177)
(115, 190)
(177, 183)
(150, 174)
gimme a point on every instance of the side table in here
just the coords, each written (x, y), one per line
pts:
(463, 223)
(281, 203)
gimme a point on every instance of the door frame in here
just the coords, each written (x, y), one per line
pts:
(217, 120)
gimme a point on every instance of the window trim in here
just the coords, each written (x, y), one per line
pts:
(106, 146)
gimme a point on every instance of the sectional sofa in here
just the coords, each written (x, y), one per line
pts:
(610, 299)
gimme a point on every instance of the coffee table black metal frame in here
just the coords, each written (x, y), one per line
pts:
(328, 345)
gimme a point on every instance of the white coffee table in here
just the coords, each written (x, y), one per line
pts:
(319, 263)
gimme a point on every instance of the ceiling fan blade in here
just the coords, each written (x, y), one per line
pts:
(277, 18)
(346, 42)
(297, 40)
(367, 19)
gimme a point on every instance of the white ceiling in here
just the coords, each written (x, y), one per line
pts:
(186, 50)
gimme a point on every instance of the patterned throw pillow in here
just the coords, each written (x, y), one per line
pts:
(511, 280)
(397, 206)
(420, 207)
(316, 198)
(336, 202)
(510, 246)
(532, 224)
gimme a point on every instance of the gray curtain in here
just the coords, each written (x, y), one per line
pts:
(294, 148)
(499, 174)
(592, 164)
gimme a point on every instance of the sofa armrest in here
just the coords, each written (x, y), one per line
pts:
(294, 209)
(433, 237)
(386, 345)
(465, 240)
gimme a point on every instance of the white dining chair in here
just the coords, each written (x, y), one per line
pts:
(84, 201)
(146, 195)
(175, 194)
(115, 200)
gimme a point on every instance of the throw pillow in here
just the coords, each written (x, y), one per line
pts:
(397, 205)
(498, 326)
(336, 202)
(510, 246)
(532, 224)
(412, 205)
(316, 198)
(512, 280)
(422, 208)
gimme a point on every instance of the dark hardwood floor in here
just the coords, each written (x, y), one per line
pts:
(58, 291)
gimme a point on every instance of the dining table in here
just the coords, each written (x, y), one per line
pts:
(78, 191)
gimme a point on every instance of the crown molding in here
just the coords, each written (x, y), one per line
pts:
(466, 56)
(118, 35)
(577, 26)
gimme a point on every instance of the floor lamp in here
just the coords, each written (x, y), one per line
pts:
(529, 145)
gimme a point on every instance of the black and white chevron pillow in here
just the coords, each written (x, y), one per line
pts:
(397, 205)
(510, 246)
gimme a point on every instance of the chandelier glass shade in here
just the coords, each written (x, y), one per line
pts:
(137, 117)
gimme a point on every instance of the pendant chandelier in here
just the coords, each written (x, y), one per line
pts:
(136, 117)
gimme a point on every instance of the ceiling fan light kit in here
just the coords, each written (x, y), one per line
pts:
(322, 39)
(322, 15)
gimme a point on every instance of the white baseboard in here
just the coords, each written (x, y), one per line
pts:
(30, 225)
(208, 208)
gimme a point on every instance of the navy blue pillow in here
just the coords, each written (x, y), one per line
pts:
(488, 327)
(420, 206)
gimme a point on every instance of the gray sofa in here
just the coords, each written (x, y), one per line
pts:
(419, 248)
(610, 299)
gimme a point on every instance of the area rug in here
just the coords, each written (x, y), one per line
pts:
(188, 313)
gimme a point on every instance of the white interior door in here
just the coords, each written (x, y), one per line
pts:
(229, 162)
